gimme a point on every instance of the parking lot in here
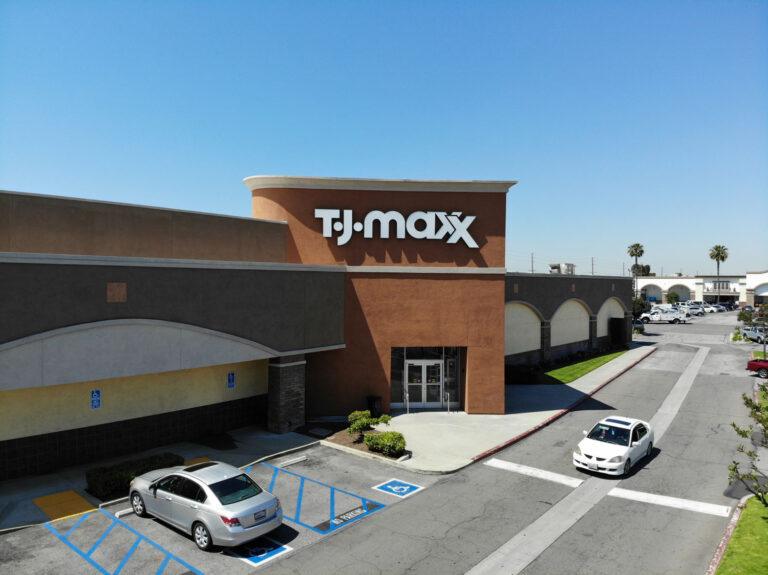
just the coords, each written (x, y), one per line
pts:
(322, 491)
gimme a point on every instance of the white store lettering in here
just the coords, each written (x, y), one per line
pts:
(418, 225)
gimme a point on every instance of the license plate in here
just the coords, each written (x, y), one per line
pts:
(592, 465)
(260, 515)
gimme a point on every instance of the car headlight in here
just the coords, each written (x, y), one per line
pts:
(577, 451)
(617, 459)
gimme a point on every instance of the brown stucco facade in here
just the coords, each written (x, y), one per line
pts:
(437, 294)
(32, 223)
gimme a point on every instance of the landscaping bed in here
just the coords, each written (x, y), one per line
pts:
(746, 554)
(361, 436)
(563, 372)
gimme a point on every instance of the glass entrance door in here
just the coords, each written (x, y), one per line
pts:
(424, 385)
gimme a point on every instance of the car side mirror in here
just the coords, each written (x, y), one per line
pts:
(635, 443)
(153, 490)
(584, 432)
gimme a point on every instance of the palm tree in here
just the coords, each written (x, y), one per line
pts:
(635, 251)
(719, 254)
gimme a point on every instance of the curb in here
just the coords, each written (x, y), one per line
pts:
(730, 528)
(559, 414)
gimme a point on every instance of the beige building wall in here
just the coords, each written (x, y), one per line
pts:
(35, 411)
(610, 308)
(570, 323)
(522, 329)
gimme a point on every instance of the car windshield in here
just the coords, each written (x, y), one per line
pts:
(609, 434)
(235, 489)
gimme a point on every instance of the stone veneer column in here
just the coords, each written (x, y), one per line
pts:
(593, 332)
(286, 404)
(546, 341)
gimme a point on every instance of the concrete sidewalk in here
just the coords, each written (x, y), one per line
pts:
(444, 442)
(238, 447)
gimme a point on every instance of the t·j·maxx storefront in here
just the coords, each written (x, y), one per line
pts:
(126, 327)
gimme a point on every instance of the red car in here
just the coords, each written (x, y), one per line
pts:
(760, 366)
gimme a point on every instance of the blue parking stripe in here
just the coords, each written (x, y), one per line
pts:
(127, 556)
(332, 504)
(274, 477)
(100, 539)
(77, 523)
(163, 565)
(156, 545)
(74, 548)
(298, 501)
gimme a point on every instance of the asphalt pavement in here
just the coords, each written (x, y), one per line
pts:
(465, 518)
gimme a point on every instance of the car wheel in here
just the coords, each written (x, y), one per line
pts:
(202, 536)
(649, 451)
(646, 320)
(675, 320)
(762, 373)
(138, 505)
(627, 467)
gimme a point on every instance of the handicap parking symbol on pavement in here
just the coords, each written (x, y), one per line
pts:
(261, 550)
(398, 488)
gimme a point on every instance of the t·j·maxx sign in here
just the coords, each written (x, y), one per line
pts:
(450, 227)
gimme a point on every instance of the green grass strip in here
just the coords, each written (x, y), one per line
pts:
(758, 355)
(746, 554)
(569, 373)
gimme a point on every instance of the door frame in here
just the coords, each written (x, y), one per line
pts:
(424, 363)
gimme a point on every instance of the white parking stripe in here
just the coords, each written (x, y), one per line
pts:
(676, 502)
(534, 472)
(698, 506)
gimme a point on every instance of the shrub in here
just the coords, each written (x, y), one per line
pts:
(360, 425)
(112, 481)
(390, 443)
(745, 316)
(361, 421)
(355, 415)
(736, 336)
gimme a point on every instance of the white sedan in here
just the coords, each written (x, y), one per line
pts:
(614, 445)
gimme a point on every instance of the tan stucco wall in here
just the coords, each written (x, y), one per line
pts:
(44, 224)
(522, 329)
(34, 411)
(570, 323)
(610, 308)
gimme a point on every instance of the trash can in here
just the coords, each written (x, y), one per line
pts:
(374, 405)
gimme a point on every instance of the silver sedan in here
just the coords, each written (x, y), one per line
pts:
(215, 502)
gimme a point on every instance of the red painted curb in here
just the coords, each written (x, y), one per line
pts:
(559, 414)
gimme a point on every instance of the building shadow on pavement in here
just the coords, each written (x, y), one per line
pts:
(544, 397)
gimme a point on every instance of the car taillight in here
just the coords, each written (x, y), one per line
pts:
(230, 522)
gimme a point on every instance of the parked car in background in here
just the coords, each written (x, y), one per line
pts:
(214, 502)
(718, 307)
(708, 308)
(760, 366)
(755, 333)
(696, 310)
(748, 308)
(663, 316)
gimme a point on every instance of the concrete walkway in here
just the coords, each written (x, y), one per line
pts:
(444, 442)
(238, 447)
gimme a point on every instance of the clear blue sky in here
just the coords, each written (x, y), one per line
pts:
(623, 121)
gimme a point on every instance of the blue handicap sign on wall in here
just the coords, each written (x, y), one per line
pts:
(260, 550)
(231, 380)
(95, 398)
(398, 488)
